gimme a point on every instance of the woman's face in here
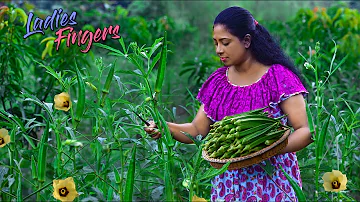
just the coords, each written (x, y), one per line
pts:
(230, 49)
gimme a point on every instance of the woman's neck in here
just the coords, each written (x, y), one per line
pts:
(249, 66)
(247, 73)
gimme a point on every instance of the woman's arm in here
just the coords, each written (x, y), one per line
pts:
(200, 125)
(295, 109)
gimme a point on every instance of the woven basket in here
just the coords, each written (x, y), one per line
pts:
(250, 159)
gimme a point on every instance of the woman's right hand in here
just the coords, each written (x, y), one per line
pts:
(153, 130)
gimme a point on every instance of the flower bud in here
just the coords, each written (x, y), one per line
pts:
(148, 99)
(186, 183)
(308, 66)
(317, 46)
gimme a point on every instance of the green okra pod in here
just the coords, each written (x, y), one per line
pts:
(269, 142)
(107, 84)
(130, 178)
(162, 68)
(33, 168)
(42, 154)
(80, 106)
(258, 134)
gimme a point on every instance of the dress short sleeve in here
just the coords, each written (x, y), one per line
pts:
(211, 92)
(285, 84)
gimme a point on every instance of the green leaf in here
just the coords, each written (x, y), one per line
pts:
(137, 61)
(299, 193)
(52, 72)
(168, 137)
(268, 168)
(121, 40)
(310, 120)
(212, 172)
(322, 135)
(109, 48)
(196, 141)
(155, 46)
(34, 99)
(29, 140)
(117, 176)
(130, 72)
(153, 63)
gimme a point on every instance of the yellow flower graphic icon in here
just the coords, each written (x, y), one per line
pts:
(65, 190)
(334, 181)
(4, 137)
(62, 101)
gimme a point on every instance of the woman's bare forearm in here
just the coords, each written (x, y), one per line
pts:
(200, 125)
(298, 140)
(176, 129)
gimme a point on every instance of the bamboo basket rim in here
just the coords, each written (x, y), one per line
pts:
(271, 148)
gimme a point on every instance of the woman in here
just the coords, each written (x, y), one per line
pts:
(256, 73)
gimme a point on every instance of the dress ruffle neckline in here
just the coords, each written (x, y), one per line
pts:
(242, 86)
(222, 98)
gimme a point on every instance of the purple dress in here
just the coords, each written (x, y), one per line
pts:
(222, 98)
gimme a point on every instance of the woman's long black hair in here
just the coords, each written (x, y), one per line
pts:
(239, 22)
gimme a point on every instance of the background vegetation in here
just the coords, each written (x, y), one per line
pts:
(98, 141)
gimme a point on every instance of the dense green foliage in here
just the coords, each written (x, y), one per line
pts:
(165, 51)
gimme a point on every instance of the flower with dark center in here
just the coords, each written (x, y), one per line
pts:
(334, 181)
(4, 137)
(62, 101)
(65, 190)
(335, 184)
